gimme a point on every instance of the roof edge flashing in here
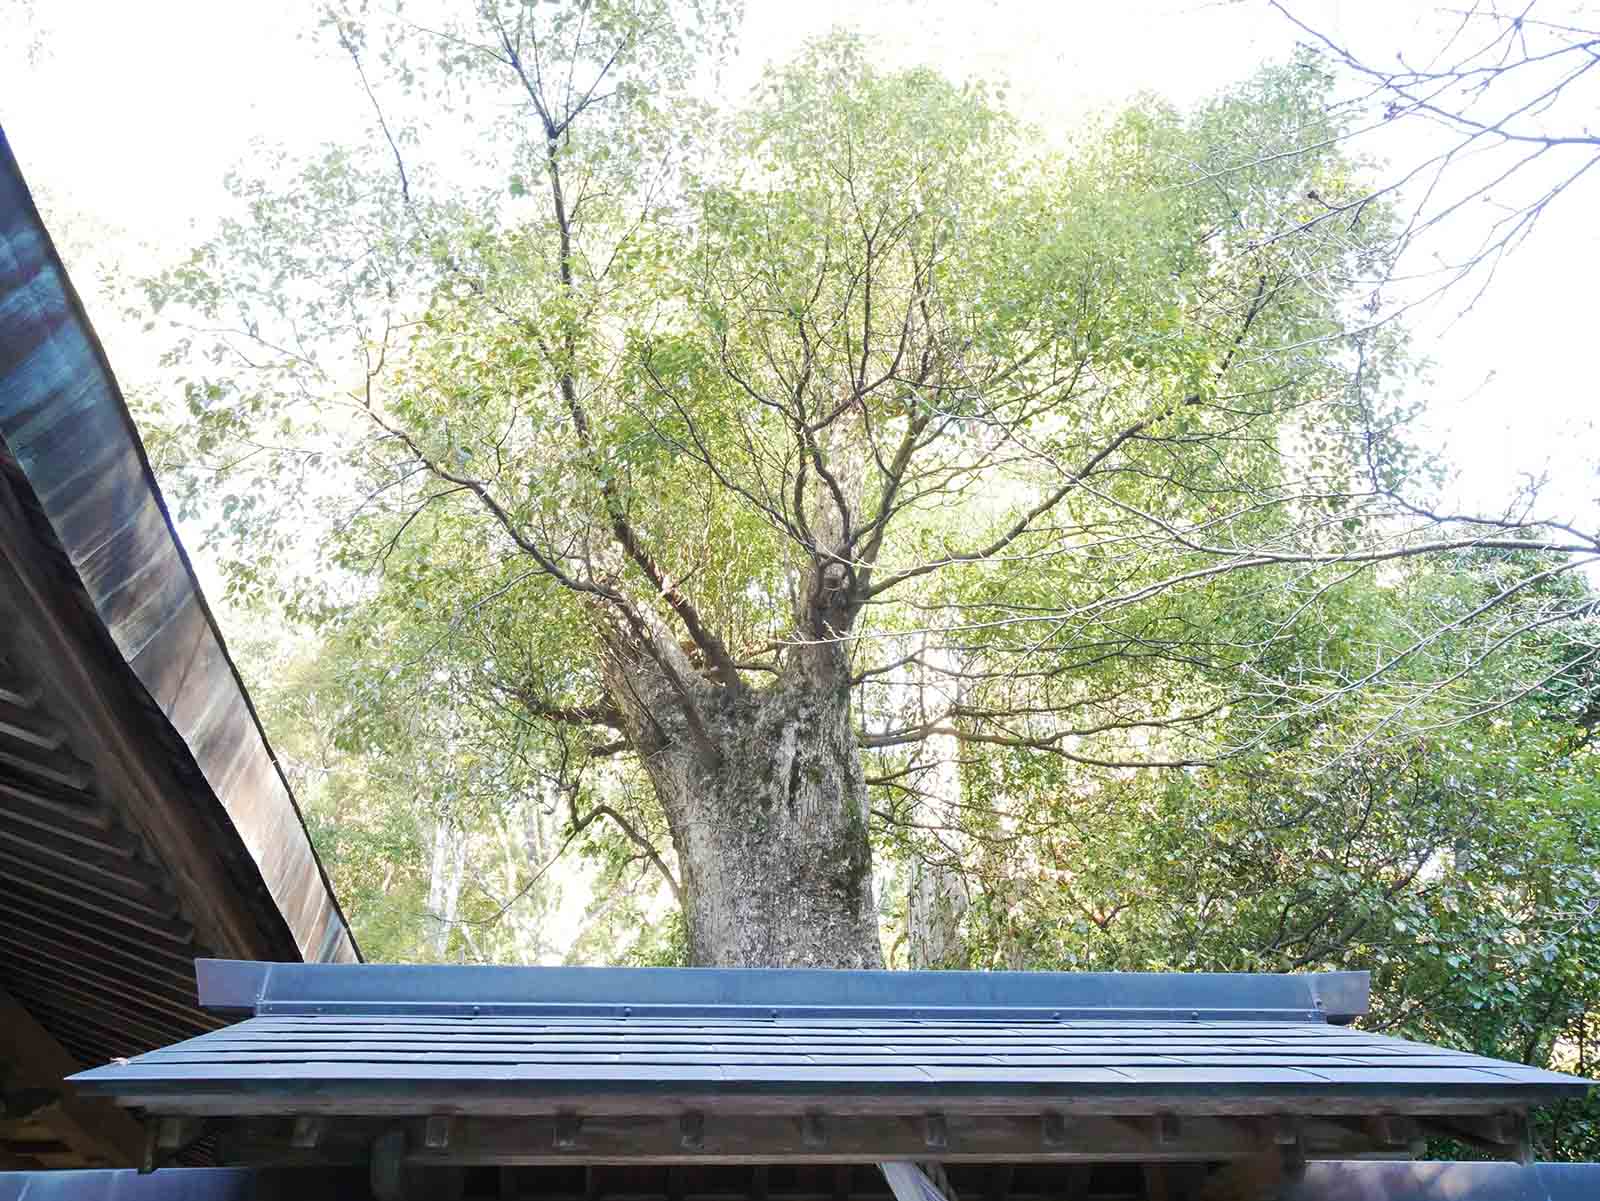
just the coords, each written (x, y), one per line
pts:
(474, 990)
(1341, 996)
(230, 985)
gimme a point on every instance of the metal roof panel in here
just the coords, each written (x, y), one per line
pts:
(810, 995)
(545, 1058)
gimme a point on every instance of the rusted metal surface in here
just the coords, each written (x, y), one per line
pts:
(81, 477)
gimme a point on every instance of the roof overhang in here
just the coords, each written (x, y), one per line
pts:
(91, 535)
(143, 819)
(472, 1065)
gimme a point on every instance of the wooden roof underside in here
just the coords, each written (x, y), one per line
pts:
(143, 821)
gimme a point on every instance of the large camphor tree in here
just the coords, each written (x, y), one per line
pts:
(769, 462)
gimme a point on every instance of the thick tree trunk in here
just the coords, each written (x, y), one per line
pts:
(768, 811)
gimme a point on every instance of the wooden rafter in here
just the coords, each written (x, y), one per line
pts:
(723, 1139)
(96, 1131)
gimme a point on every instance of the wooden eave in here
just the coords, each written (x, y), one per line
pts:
(473, 1066)
(143, 819)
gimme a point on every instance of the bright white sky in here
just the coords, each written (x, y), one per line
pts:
(129, 115)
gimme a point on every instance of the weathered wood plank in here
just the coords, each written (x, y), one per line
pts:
(294, 1094)
(99, 1132)
(646, 1139)
(95, 542)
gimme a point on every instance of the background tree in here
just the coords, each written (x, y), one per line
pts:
(1459, 866)
(712, 449)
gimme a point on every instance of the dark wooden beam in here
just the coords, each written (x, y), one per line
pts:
(469, 1095)
(711, 1139)
(101, 1133)
(1255, 1178)
(692, 1131)
(435, 1183)
(308, 1131)
(814, 1129)
(10, 1161)
(387, 1168)
(133, 772)
(998, 1182)
(1503, 1135)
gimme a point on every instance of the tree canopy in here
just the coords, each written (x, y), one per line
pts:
(740, 492)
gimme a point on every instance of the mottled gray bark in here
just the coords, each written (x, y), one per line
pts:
(762, 785)
(767, 806)
(936, 907)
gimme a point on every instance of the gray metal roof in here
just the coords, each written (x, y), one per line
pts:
(409, 1039)
(570, 1056)
(472, 990)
